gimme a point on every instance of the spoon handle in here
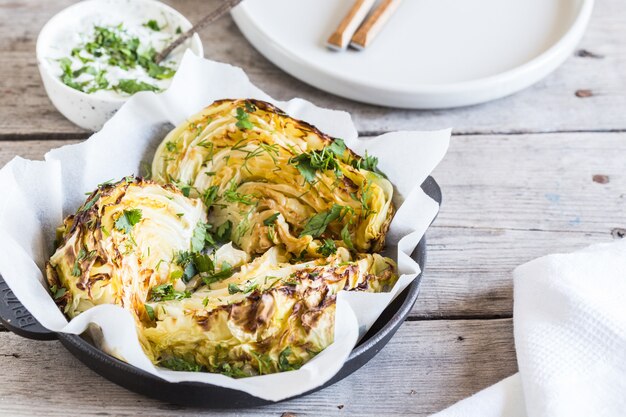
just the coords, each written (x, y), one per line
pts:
(210, 18)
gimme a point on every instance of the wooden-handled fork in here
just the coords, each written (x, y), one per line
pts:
(374, 24)
(340, 38)
(345, 32)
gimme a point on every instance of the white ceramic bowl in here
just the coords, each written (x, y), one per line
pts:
(87, 110)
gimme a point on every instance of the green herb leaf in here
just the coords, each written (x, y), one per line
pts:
(233, 196)
(180, 364)
(264, 362)
(271, 219)
(152, 24)
(57, 292)
(129, 86)
(150, 311)
(231, 371)
(369, 163)
(318, 223)
(226, 271)
(170, 146)
(243, 121)
(201, 237)
(166, 292)
(284, 364)
(345, 235)
(233, 289)
(127, 220)
(223, 232)
(328, 248)
(318, 160)
(209, 196)
(338, 147)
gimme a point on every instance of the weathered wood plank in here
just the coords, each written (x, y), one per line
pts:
(507, 200)
(427, 366)
(551, 105)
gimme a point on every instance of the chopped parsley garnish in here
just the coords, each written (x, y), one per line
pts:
(166, 292)
(233, 196)
(226, 271)
(149, 311)
(192, 264)
(234, 288)
(127, 220)
(250, 108)
(338, 147)
(231, 371)
(369, 163)
(222, 234)
(82, 255)
(132, 86)
(89, 204)
(57, 292)
(319, 160)
(363, 199)
(318, 223)
(209, 196)
(180, 364)
(345, 235)
(291, 280)
(201, 237)
(271, 219)
(152, 24)
(284, 364)
(170, 146)
(328, 248)
(264, 362)
(243, 121)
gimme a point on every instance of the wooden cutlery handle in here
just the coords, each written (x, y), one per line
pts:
(374, 23)
(341, 37)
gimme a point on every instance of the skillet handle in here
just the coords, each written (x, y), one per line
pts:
(17, 319)
(431, 188)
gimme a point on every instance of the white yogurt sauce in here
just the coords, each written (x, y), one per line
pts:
(133, 27)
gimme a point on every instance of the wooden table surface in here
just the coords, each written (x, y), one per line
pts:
(539, 172)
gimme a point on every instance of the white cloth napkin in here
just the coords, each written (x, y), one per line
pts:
(569, 318)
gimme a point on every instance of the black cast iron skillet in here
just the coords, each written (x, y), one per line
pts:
(17, 319)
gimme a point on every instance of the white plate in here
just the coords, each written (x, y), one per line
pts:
(431, 54)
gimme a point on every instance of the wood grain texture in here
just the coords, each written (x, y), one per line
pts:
(506, 200)
(551, 105)
(427, 366)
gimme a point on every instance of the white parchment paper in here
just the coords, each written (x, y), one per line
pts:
(37, 195)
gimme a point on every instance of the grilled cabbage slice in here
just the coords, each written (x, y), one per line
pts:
(120, 244)
(275, 180)
(270, 316)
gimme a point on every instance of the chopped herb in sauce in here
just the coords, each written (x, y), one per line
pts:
(152, 24)
(95, 64)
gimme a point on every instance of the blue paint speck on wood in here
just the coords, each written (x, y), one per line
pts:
(553, 197)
